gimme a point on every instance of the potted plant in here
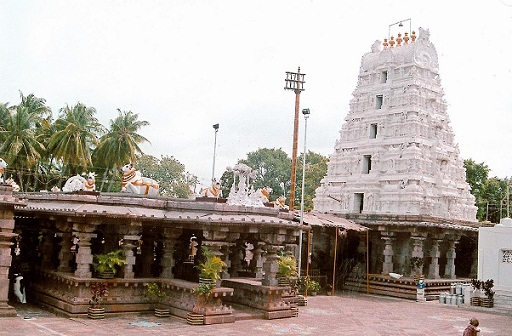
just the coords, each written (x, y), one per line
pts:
(313, 287)
(287, 268)
(488, 300)
(157, 293)
(105, 264)
(99, 291)
(476, 296)
(211, 268)
(204, 293)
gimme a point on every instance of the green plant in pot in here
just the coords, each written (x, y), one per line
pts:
(105, 265)
(287, 268)
(157, 293)
(211, 268)
(204, 295)
(313, 287)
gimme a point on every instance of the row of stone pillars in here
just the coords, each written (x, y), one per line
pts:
(219, 241)
(417, 251)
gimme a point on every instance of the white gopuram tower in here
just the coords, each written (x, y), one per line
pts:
(396, 152)
(396, 167)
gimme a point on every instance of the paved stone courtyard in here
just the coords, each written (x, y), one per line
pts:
(344, 314)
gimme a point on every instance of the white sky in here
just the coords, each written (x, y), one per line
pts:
(186, 65)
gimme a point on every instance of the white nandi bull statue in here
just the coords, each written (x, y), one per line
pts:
(133, 182)
(3, 165)
(213, 191)
(90, 182)
(19, 288)
(77, 183)
(14, 185)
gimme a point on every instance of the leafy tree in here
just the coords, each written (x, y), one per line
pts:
(172, 178)
(20, 146)
(120, 144)
(77, 131)
(316, 169)
(477, 175)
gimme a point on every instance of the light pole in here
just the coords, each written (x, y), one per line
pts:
(295, 82)
(306, 113)
(216, 128)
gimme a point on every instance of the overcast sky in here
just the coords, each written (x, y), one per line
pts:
(186, 65)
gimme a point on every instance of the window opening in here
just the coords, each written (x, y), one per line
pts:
(378, 103)
(373, 131)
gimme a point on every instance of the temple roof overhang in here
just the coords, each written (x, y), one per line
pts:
(329, 220)
(123, 206)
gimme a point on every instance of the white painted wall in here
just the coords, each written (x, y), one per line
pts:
(492, 242)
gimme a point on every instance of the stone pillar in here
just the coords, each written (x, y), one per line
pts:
(65, 255)
(435, 253)
(270, 266)
(6, 235)
(387, 265)
(170, 237)
(131, 234)
(449, 271)
(47, 246)
(84, 232)
(417, 251)
(257, 260)
(146, 256)
(273, 243)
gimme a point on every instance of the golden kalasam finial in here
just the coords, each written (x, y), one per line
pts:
(406, 38)
(385, 43)
(392, 42)
(399, 40)
(413, 36)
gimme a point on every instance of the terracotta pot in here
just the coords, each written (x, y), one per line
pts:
(96, 312)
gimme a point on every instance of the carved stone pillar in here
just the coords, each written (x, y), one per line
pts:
(257, 260)
(47, 246)
(7, 203)
(273, 244)
(84, 232)
(65, 255)
(145, 256)
(387, 265)
(417, 251)
(131, 236)
(270, 266)
(449, 270)
(170, 237)
(435, 253)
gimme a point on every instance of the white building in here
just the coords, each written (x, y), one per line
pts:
(495, 260)
(396, 167)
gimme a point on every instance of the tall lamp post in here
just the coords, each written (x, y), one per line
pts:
(306, 113)
(295, 82)
(216, 128)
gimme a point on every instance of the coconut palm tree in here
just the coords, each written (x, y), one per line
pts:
(77, 131)
(121, 143)
(20, 146)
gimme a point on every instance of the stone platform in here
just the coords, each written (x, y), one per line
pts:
(404, 288)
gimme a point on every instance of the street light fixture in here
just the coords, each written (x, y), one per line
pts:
(216, 128)
(295, 82)
(306, 113)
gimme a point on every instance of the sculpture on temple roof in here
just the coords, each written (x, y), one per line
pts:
(3, 165)
(90, 182)
(133, 182)
(14, 185)
(74, 183)
(214, 190)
